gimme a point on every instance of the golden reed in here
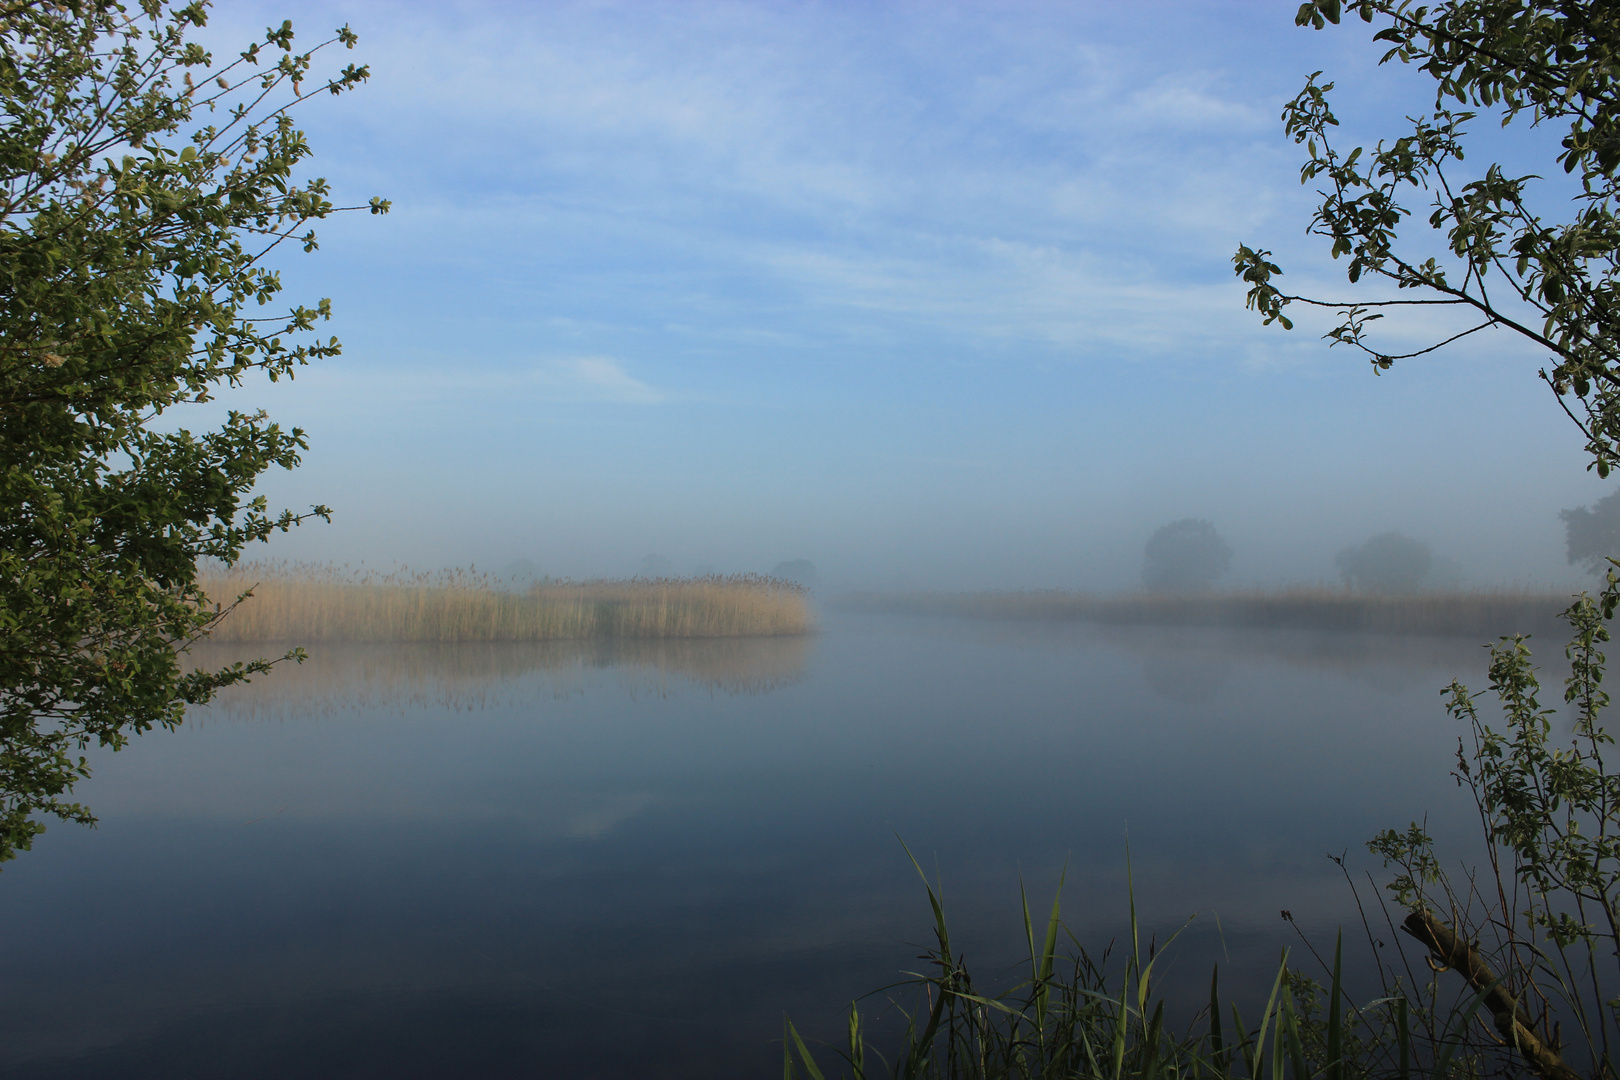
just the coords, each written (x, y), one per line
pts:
(307, 604)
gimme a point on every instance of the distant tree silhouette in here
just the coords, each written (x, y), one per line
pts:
(1592, 533)
(1386, 563)
(1184, 555)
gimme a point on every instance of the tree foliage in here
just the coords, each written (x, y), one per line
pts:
(1184, 555)
(143, 184)
(1592, 533)
(1386, 563)
(1488, 253)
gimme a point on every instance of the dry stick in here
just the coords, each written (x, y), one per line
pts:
(1511, 1021)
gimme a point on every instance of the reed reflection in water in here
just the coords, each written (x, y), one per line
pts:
(472, 675)
(331, 866)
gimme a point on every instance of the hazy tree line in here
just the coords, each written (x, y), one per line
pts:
(1190, 555)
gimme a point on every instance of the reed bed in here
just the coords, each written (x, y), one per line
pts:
(311, 605)
(1477, 613)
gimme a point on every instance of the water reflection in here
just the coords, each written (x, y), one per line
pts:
(1191, 665)
(476, 675)
(1189, 679)
(630, 859)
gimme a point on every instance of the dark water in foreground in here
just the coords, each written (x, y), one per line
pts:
(591, 861)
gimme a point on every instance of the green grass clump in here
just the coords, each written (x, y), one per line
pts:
(1078, 1016)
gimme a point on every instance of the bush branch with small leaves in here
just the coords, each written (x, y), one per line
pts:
(1545, 919)
(1492, 257)
(144, 186)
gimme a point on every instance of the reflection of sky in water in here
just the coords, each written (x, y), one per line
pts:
(586, 860)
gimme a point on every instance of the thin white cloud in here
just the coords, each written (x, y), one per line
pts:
(568, 380)
(1188, 101)
(468, 390)
(600, 378)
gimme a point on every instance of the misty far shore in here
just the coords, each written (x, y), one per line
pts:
(309, 606)
(1485, 613)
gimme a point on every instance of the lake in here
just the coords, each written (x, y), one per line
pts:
(632, 859)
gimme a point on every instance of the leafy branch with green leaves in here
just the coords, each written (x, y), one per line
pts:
(144, 187)
(1551, 282)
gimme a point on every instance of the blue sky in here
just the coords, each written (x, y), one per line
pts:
(935, 293)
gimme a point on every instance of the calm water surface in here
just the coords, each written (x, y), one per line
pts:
(631, 861)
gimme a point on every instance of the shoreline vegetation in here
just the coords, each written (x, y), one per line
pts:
(1483, 612)
(319, 604)
(1504, 968)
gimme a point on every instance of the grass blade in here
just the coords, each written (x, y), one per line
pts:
(933, 902)
(1289, 1030)
(1120, 1029)
(1049, 952)
(857, 1045)
(1335, 1018)
(1246, 1047)
(804, 1056)
(1150, 1043)
(1403, 1029)
(1265, 1022)
(1456, 1028)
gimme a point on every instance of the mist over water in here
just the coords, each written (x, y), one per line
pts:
(607, 857)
